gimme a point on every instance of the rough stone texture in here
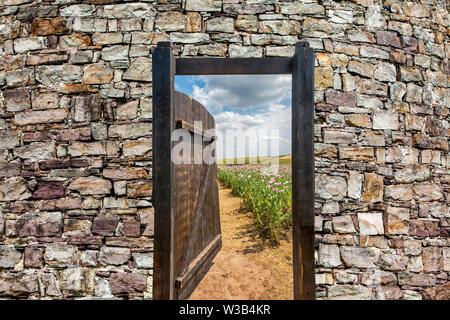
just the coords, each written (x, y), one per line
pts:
(75, 137)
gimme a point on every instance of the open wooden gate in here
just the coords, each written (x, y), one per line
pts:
(185, 197)
(197, 237)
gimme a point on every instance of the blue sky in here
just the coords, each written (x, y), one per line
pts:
(258, 104)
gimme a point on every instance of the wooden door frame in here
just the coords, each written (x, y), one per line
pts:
(301, 67)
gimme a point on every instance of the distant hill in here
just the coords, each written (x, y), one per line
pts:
(282, 160)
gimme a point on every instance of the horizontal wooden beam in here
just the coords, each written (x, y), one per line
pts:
(224, 66)
(181, 124)
(210, 250)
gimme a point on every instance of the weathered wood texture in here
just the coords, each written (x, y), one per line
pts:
(196, 203)
(211, 66)
(303, 171)
(162, 127)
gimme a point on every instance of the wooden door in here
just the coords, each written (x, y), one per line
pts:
(197, 237)
(185, 195)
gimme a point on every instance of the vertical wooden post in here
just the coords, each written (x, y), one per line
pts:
(163, 105)
(303, 171)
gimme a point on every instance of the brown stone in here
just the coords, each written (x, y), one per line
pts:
(440, 292)
(432, 259)
(97, 74)
(33, 257)
(137, 190)
(396, 220)
(50, 190)
(105, 225)
(40, 224)
(82, 134)
(124, 173)
(124, 283)
(356, 153)
(132, 228)
(373, 188)
(91, 185)
(38, 136)
(423, 229)
(388, 38)
(17, 99)
(47, 26)
(85, 240)
(358, 120)
(34, 60)
(44, 116)
(340, 98)
(61, 164)
(9, 170)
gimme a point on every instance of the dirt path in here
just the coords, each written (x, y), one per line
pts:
(244, 268)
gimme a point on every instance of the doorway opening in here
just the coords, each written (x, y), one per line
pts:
(169, 280)
(253, 151)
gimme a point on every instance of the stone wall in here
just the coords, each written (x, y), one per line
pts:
(76, 218)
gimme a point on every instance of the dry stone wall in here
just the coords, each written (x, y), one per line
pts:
(76, 219)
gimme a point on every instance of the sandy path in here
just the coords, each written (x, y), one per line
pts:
(244, 268)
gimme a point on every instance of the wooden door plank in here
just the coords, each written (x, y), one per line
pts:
(303, 171)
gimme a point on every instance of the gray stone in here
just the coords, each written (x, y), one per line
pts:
(330, 187)
(385, 120)
(385, 72)
(23, 45)
(358, 257)
(116, 52)
(89, 258)
(127, 10)
(203, 5)
(61, 255)
(220, 24)
(139, 70)
(49, 75)
(40, 116)
(36, 151)
(329, 255)
(348, 292)
(77, 10)
(8, 140)
(13, 189)
(370, 223)
(102, 288)
(143, 260)
(72, 281)
(17, 99)
(343, 224)
(130, 131)
(238, 51)
(9, 256)
(114, 256)
(89, 25)
(179, 37)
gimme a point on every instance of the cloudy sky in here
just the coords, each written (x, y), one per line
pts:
(257, 106)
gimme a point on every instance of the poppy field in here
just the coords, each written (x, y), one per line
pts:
(265, 191)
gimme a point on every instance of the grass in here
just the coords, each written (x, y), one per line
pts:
(265, 193)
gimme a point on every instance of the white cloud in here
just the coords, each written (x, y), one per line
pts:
(273, 125)
(242, 91)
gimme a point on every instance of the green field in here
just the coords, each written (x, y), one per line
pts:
(264, 192)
